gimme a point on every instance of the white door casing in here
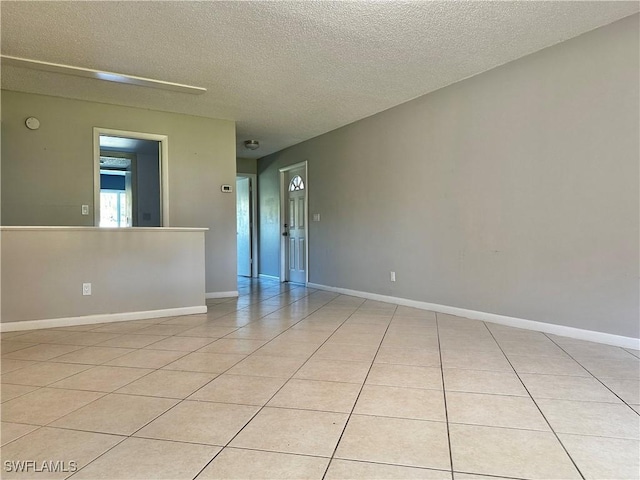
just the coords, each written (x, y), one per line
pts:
(243, 225)
(294, 220)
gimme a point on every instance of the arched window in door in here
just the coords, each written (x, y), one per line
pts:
(296, 184)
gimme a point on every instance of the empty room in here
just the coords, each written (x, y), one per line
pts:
(320, 240)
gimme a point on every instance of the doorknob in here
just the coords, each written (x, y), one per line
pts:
(285, 234)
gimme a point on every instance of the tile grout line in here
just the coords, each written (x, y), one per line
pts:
(595, 377)
(150, 421)
(109, 393)
(444, 396)
(350, 414)
(262, 407)
(536, 403)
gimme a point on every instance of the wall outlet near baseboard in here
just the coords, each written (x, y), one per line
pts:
(392, 276)
(86, 289)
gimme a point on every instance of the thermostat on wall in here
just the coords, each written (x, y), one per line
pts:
(32, 123)
(226, 188)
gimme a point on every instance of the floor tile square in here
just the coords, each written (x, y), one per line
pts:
(405, 376)
(494, 361)
(287, 349)
(147, 358)
(628, 389)
(333, 370)
(9, 392)
(185, 344)
(264, 366)
(590, 418)
(564, 387)
(200, 422)
(495, 411)
(143, 459)
(45, 405)
(168, 384)
(292, 431)
(9, 346)
(42, 352)
(85, 338)
(42, 374)
(509, 453)
(547, 365)
(408, 356)
(343, 469)
(115, 413)
(205, 362)
(233, 345)
(599, 457)
(239, 464)
(611, 367)
(480, 381)
(317, 395)
(399, 441)
(239, 389)
(54, 444)
(208, 331)
(12, 431)
(132, 341)
(102, 378)
(400, 402)
(8, 365)
(93, 355)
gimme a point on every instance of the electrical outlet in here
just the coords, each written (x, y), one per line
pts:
(86, 289)
(85, 209)
(393, 276)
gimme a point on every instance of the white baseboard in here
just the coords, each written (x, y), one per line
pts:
(101, 318)
(564, 331)
(233, 293)
(268, 277)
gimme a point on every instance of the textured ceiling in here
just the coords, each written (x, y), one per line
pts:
(284, 71)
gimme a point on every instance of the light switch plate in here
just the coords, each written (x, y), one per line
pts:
(85, 209)
(316, 217)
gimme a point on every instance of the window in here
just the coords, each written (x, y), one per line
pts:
(113, 209)
(296, 184)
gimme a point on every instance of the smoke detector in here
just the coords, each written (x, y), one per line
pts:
(251, 144)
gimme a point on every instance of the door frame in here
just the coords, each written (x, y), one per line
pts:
(283, 203)
(253, 192)
(164, 168)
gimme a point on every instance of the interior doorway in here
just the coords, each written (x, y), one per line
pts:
(130, 179)
(247, 235)
(294, 251)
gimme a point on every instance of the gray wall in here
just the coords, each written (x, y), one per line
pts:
(47, 174)
(514, 192)
(130, 270)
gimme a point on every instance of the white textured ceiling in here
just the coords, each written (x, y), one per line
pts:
(284, 71)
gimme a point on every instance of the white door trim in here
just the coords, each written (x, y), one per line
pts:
(253, 178)
(164, 168)
(283, 193)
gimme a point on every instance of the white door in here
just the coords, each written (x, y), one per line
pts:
(243, 225)
(295, 226)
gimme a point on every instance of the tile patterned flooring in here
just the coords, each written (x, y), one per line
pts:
(289, 382)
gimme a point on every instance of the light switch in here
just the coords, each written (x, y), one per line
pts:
(316, 217)
(85, 209)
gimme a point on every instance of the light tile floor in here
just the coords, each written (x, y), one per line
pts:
(289, 382)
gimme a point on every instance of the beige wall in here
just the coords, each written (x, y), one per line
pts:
(47, 174)
(514, 192)
(131, 270)
(246, 165)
